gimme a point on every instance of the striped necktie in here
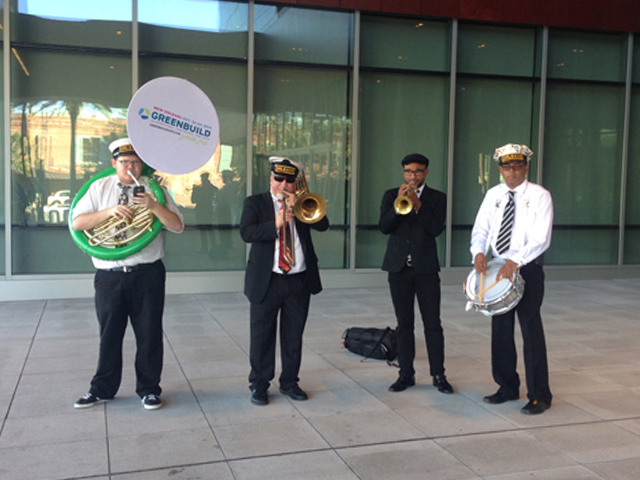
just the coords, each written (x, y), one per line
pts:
(506, 227)
(285, 259)
(123, 199)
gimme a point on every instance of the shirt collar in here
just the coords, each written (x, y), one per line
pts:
(519, 189)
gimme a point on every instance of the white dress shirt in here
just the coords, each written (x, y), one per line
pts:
(300, 265)
(104, 193)
(533, 223)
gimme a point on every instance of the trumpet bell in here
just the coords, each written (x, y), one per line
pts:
(403, 205)
(310, 208)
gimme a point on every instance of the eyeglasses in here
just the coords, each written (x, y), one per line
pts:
(279, 179)
(130, 163)
(511, 168)
(413, 172)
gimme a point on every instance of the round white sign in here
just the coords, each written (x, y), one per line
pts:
(173, 125)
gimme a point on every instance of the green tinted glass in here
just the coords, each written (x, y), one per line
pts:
(404, 44)
(632, 224)
(400, 114)
(299, 35)
(587, 56)
(582, 169)
(496, 50)
(302, 114)
(489, 114)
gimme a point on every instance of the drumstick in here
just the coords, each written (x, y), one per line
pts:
(486, 290)
(481, 284)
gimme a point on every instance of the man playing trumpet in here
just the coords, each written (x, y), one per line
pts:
(131, 288)
(413, 216)
(281, 275)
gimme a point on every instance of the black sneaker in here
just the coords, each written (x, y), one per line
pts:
(151, 402)
(89, 400)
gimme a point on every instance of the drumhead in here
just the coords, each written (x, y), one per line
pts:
(499, 289)
(500, 298)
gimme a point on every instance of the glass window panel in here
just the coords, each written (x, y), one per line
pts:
(400, 43)
(587, 56)
(211, 197)
(489, 114)
(587, 246)
(496, 50)
(289, 34)
(400, 114)
(636, 60)
(65, 110)
(2, 169)
(210, 28)
(582, 166)
(95, 23)
(302, 114)
(632, 211)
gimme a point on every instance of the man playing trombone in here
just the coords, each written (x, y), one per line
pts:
(413, 216)
(131, 288)
(281, 274)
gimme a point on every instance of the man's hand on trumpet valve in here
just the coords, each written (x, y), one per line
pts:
(410, 191)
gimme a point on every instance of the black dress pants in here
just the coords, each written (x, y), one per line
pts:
(288, 295)
(405, 287)
(504, 357)
(137, 295)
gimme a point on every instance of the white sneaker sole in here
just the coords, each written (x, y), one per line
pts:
(80, 406)
(151, 407)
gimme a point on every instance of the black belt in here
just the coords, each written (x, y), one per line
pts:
(288, 275)
(131, 268)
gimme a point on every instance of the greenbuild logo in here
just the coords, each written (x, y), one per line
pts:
(144, 113)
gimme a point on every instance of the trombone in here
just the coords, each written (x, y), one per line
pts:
(403, 205)
(309, 208)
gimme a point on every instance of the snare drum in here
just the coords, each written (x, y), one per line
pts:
(500, 298)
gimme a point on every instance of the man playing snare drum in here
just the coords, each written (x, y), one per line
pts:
(515, 222)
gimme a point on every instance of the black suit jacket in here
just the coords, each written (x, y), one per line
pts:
(414, 233)
(258, 227)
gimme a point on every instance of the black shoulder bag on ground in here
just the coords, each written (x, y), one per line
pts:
(378, 343)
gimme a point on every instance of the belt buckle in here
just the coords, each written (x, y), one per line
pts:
(126, 269)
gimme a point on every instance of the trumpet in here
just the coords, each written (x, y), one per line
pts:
(403, 205)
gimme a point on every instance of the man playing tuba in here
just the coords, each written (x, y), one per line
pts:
(131, 288)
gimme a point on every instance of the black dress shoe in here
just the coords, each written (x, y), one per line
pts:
(295, 393)
(402, 384)
(259, 397)
(535, 407)
(499, 397)
(440, 381)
